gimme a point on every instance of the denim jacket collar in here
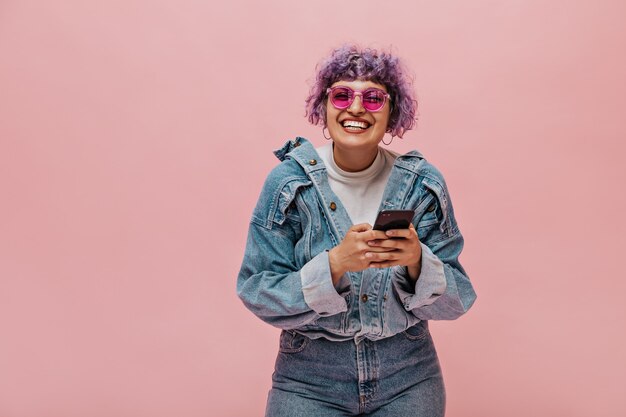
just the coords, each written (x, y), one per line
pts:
(406, 169)
(301, 150)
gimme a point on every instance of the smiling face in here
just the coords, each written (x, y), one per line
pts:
(355, 128)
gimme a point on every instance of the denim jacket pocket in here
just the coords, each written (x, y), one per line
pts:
(285, 201)
(427, 214)
(417, 332)
(278, 205)
(292, 342)
(441, 210)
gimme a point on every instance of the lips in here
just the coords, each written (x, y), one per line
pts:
(355, 125)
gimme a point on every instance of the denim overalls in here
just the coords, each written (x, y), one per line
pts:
(364, 346)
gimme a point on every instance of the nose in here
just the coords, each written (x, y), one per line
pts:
(357, 105)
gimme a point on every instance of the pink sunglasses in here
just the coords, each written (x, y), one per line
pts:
(372, 99)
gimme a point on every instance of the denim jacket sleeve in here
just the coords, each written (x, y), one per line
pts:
(274, 281)
(443, 290)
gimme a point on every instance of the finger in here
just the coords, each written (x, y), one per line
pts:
(378, 249)
(384, 243)
(411, 227)
(385, 264)
(381, 256)
(374, 235)
(361, 227)
(403, 233)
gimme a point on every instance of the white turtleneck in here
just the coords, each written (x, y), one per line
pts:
(360, 192)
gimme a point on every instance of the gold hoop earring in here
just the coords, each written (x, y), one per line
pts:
(326, 137)
(389, 141)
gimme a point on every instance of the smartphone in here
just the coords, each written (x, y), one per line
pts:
(393, 219)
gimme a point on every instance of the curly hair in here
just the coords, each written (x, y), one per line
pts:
(349, 63)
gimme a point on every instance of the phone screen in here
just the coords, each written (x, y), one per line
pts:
(393, 219)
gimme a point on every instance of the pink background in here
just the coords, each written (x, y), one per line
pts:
(135, 136)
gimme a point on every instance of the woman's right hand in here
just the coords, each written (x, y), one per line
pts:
(349, 255)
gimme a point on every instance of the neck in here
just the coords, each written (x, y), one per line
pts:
(354, 160)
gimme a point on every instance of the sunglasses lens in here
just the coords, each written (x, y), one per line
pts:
(341, 97)
(373, 99)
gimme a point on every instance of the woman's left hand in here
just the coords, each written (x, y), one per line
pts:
(407, 251)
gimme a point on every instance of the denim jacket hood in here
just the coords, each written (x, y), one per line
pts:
(285, 275)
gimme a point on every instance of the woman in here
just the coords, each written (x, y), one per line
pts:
(354, 302)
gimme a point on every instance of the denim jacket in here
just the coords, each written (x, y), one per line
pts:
(285, 275)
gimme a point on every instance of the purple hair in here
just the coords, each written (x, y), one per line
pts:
(349, 63)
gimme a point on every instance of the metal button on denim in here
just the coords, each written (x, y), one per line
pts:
(313, 162)
(431, 207)
(364, 298)
(333, 206)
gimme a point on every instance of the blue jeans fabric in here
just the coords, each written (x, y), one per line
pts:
(396, 376)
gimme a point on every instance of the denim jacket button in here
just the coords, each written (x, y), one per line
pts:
(313, 162)
(431, 207)
(364, 298)
(333, 206)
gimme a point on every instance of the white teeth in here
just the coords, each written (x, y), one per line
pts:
(354, 123)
